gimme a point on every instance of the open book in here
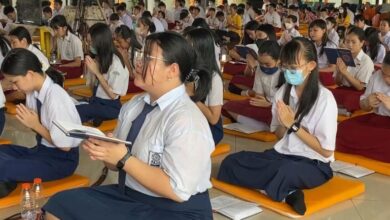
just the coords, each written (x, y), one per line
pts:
(350, 169)
(85, 132)
(234, 208)
(241, 128)
(333, 53)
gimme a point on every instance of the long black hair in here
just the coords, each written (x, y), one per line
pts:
(251, 26)
(149, 23)
(102, 41)
(4, 45)
(321, 24)
(126, 33)
(176, 49)
(290, 55)
(202, 41)
(60, 21)
(19, 61)
(372, 38)
(20, 33)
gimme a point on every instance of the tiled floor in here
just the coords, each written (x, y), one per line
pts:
(373, 204)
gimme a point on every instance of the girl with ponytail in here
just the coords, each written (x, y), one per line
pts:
(304, 118)
(167, 131)
(55, 155)
(202, 41)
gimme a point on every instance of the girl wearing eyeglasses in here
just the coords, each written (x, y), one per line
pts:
(107, 74)
(157, 175)
(304, 118)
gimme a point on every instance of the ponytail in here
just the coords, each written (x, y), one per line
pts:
(202, 81)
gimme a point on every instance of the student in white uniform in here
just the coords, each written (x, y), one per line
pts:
(331, 25)
(384, 28)
(212, 19)
(290, 30)
(21, 38)
(374, 48)
(58, 10)
(318, 34)
(255, 112)
(304, 118)
(157, 179)
(352, 81)
(55, 155)
(355, 77)
(69, 46)
(145, 26)
(360, 22)
(157, 23)
(272, 17)
(368, 135)
(128, 45)
(202, 40)
(108, 75)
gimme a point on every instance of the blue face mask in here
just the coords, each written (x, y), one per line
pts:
(268, 70)
(294, 77)
(92, 49)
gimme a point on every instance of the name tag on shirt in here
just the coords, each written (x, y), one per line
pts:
(155, 159)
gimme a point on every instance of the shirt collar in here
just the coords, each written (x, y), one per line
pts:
(67, 36)
(44, 89)
(360, 55)
(167, 99)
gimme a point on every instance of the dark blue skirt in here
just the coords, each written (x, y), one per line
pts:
(98, 108)
(107, 202)
(22, 164)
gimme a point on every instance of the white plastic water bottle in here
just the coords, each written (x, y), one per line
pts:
(27, 203)
(37, 195)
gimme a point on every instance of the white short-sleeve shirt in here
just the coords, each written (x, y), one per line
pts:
(363, 70)
(380, 56)
(321, 121)
(293, 33)
(386, 39)
(215, 96)
(273, 19)
(334, 37)
(70, 47)
(42, 58)
(322, 58)
(179, 134)
(117, 78)
(56, 105)
(266, 84)
(377, 84)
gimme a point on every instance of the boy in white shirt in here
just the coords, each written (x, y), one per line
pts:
(272, 17)
(384, 36)
(289, 32)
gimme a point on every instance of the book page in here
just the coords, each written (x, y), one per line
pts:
(241, 128)
(339, 165)
(222, 201)
(240, 210)
(356, 171)
(69, 127)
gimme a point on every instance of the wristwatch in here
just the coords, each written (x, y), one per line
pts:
(121, 162)
(294, 128)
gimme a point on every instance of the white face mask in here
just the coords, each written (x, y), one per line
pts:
(341, 11)
(288, 26)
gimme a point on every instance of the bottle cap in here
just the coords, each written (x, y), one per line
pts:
(37, 180)
(26, 186)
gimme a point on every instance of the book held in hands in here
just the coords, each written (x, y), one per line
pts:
(85, 132)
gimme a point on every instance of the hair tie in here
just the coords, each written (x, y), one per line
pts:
(192, 76)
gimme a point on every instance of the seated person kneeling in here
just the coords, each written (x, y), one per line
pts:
(55, 156)
(157, 179)
(305, 119)
(107, 73)
(368, 135)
